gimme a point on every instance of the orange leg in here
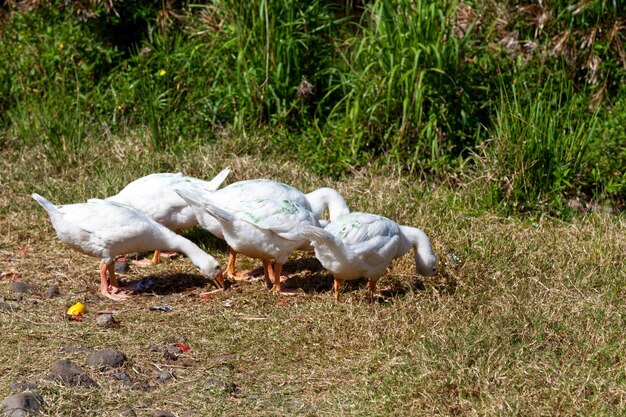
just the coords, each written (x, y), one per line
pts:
(104, 282)
(113, 283)
(337, 287)
(275, 270)
(232, 257)
(371, 289)
(156, 258)
(266, 273)
(115, 293)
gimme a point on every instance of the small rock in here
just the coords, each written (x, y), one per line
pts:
(162, 376)
(162, 413)
(51, 292)
(111, 358)
(22, 287)
(68, 373)
(106, 320)
(171, 353)
(21, 405)
(165, 308)
(122, 376)
(23, 385)
(121, 266)
(126, 412)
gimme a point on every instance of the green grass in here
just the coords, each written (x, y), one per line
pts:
(540, 147)
(524, 317)
(414, 86)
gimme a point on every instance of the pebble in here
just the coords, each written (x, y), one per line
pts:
(106, 320)
(111, 358)
(171, 353)
(162, 376)
(51, 292)
(21, 405)
(68, 373)
(123, 376)
(21, 287)
(24, 385)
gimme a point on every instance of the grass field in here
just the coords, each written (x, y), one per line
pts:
(525, 317)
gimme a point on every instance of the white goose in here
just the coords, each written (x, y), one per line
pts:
(242, 192)
(262, 228)
(104, 229)
(154, 196)
(360, 245)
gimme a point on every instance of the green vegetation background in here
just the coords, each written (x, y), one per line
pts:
(524, 101)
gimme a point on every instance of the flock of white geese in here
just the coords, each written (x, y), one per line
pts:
(259, 218)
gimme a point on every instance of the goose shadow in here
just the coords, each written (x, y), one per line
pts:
(306, 274)
(441, 282)
(167, 283)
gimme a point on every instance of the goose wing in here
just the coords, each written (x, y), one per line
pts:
(279, 215)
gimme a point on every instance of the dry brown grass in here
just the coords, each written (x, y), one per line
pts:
(524, 318)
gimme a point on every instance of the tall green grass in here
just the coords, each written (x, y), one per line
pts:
(538, 151)
(398, 84)
(400, 72)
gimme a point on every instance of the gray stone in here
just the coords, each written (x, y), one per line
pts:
(162, 376)
(162, 413)
(23, 385)
(106, 320)
(122, 376)
(111, 358)
(171, 353)
(68, 373)
(51, 292)
(21, 287)
(23, 404)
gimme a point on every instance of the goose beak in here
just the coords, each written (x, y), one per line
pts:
(219, 280)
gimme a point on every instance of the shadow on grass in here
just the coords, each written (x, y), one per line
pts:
(308, 275)
(167, 283)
